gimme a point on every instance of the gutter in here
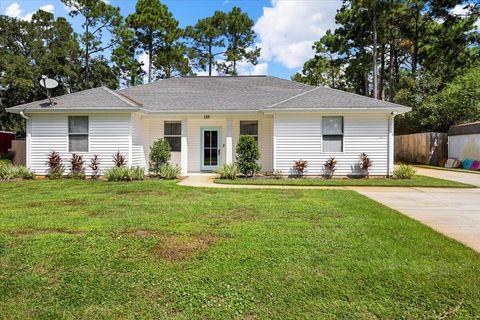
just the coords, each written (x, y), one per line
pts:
(22, 114)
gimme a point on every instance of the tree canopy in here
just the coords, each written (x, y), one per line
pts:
(401, 51)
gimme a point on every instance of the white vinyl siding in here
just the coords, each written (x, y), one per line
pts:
(154, 129)
(139, 132)
(299, 136)
(108, 133)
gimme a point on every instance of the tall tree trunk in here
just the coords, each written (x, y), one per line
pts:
(150, 53)
(374, 53)
(381, 87)
(367, 93)
(210, 59)
(87, 55)
(415, 43)
(390, 70)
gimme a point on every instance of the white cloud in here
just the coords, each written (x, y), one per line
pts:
(245, 68)
(462, 10)
(13, 10)
(48, 8)
(288, 29)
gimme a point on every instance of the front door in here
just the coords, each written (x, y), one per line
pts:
(210, 152)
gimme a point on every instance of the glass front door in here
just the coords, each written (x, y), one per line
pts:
(210, 148)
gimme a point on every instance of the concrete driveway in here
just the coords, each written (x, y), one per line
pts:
(453, 212)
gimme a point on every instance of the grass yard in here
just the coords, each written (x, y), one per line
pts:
(152, 249)
(416, 181)
(446, 169)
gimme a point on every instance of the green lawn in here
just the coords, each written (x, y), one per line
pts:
(416, 181)
(446, 169)
(153, 249)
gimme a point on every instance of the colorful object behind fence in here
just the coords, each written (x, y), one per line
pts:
(467, 163)
(475, 165)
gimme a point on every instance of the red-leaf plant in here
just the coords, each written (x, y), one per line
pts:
(95, 166)
(300, 166)
(119, 160)
(76, 163)
(329, 166)
(55, 165)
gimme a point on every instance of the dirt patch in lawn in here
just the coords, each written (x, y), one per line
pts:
(179, 247)
(34, 232)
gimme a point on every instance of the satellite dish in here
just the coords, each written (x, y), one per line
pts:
(48, 83)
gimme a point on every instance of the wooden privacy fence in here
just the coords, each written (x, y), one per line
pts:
(424, 148)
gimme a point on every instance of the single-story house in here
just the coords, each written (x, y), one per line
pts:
(202, 119)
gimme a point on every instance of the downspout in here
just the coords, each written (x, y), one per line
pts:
(391, 137)
(27, 138)
(23, 115)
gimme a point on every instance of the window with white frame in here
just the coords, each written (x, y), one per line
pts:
(78, 133)
(172, 132)
(249, 128)
(332, 134)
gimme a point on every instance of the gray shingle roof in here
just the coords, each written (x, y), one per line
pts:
(214, 93)
(326, 98)
(243, 93)
(97, 98)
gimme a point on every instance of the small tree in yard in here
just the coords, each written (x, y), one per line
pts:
(247, 156)
(160, 154)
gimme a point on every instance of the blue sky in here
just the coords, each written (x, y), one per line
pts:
(285, 30)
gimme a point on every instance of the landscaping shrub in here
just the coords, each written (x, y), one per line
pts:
(9, 171)
(404, 171)
(76, 167)
(365, 163)
(95, 167)
(248, 155)
(278, 174)
(24, 173)
(169, 171)
(300, 166)
(160, 153)
(55, 165)
(4, 162)
(119, 160)
(125, 174)
(228, 171)
(329, 168)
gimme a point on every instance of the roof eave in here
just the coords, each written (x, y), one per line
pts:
(399, 109)
(73, 109)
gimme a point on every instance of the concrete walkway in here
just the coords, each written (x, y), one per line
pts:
(451, 211)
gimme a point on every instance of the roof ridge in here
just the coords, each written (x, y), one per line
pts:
(122, 97)
(291, 98)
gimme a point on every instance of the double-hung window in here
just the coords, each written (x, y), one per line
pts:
(173, 134)
(249, 128)
(332, 134)
(78, 133)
